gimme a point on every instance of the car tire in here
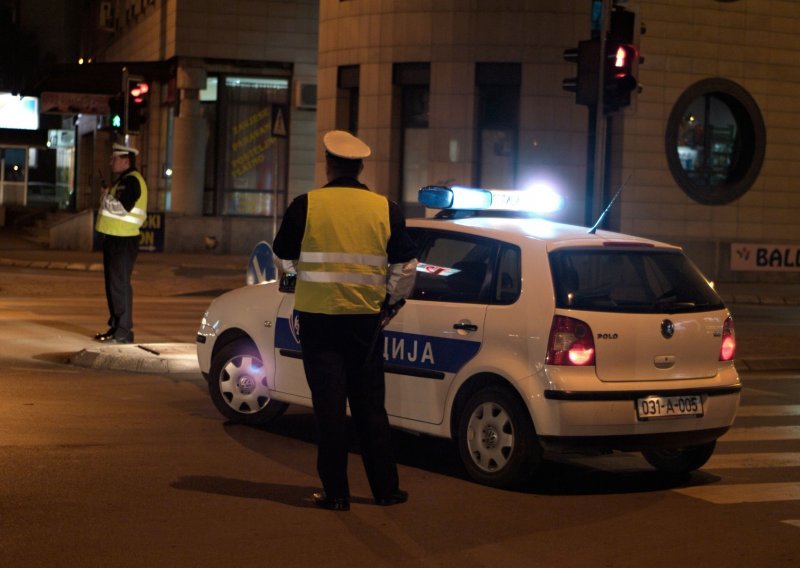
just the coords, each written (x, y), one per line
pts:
(238, 385)
(496, 439)
(679, 460)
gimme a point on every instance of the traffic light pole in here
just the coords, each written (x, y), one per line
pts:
(597, 139)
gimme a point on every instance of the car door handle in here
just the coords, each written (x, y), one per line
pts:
(465, 326)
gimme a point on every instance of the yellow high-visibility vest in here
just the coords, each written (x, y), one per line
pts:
(343, 264)
(126, 225)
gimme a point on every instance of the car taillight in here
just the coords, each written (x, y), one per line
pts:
(570, 343)
(728, 348)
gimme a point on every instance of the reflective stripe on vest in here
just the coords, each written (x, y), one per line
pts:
(343, 267)
(128, 224)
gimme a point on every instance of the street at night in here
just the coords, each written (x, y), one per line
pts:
(102, 467)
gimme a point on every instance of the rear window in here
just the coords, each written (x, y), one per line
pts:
(630, 280)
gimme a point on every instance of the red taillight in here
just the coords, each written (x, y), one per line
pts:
(728, 348)
(570, 343)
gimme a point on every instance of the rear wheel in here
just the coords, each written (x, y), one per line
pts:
(496, 439)
(238, 385)
(679, 460)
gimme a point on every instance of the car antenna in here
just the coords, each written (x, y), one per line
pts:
(602, 216)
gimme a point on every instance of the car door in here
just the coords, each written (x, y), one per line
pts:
(441, 326)
(290, 377)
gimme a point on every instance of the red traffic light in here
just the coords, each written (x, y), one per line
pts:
(138, 90)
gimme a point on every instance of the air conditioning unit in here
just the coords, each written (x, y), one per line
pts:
(305, 95)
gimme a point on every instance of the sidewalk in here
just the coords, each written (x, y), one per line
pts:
(201, 272)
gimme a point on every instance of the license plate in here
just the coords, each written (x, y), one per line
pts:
(653, 407)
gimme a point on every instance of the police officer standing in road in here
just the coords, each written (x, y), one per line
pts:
(354, 262)
(123, 210)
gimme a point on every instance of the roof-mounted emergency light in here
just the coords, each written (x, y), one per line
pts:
(539, 199)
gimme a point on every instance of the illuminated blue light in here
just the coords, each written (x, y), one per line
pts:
(437, 197)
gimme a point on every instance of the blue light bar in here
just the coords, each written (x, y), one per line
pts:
(438, 197)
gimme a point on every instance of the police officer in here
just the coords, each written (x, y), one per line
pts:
(353, 258)
(123, 210)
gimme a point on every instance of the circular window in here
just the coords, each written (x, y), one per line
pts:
(715, 141)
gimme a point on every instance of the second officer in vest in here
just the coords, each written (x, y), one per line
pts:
(123, 210)
(353, 258)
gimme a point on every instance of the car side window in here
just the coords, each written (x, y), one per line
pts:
(509, 280)
(454, 268)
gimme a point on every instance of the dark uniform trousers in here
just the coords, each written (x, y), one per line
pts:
(119, 256)
(344, 361)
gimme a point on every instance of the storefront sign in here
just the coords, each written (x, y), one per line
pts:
(765, 257)
(73, 103)
(151, 235)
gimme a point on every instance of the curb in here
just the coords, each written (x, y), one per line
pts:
(768, 364)
(60, 265)
(144, 358)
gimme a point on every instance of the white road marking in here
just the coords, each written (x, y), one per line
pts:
(793, 522)
(769, 410)
(743, 492)
(760, 433)
(742, 461)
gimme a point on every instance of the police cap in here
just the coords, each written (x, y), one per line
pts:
(122, 150)
(344, 145)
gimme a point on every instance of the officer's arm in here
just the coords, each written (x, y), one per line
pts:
(286, 246)
(402, 251)
(126, 196)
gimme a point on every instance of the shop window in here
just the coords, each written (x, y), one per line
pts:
(497, 86)
(715, 141)
(253, 157)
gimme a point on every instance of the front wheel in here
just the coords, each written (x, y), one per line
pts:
(238, 387)
(496, 439)
(679, 460)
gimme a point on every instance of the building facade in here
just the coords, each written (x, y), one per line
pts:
(470, 92)
(227, 125)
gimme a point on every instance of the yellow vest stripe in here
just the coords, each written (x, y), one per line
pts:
(344, 257)
(343, 278)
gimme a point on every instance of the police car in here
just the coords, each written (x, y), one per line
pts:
(522, 336)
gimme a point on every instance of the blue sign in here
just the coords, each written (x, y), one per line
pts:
(260, 268)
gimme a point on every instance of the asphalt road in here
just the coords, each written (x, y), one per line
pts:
(112, 468)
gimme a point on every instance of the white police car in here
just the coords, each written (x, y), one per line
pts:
(522, 335)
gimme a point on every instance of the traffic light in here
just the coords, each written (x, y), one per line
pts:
(621, 62)
(585, 85)
(116, 112)
(138, 94)
(619, 80)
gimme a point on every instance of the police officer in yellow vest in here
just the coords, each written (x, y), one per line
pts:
(354, 260)
(123, 210)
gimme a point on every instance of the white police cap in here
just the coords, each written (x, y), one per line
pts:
(345, 145)
(122, 150)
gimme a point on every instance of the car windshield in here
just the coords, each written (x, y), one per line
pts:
(642, 280)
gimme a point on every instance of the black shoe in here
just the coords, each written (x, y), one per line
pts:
(118, 340)
(103, 336)
(332, 504)
(395, 498)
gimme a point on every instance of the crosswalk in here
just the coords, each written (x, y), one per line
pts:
(756, 461)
